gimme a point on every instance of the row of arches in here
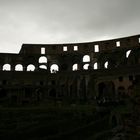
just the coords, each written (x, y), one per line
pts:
(30, 67)
(43, 60)
(95, 66)
(86, 66)
(53, 68)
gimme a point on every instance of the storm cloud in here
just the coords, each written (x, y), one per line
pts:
(65, 21)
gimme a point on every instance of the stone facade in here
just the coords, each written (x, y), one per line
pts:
(79, 71)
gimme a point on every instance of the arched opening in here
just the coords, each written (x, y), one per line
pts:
(85, 67)
(18, 67)
(43, 67)
(30, 67)
(42, 59)
(106, 65)
(75, 67)
(128, 53)
(95, 66)
(121, 91)
(54, 68)
(101, 90)
(86, 58)
(64, 67)
(6, 67)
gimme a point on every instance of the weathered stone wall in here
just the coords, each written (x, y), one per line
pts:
(81, 71)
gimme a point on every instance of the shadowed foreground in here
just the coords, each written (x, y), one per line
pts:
(35, 123)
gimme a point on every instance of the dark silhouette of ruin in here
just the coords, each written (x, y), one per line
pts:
(102, 70)
(71, 91)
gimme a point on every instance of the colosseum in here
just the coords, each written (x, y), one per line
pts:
(107, 70)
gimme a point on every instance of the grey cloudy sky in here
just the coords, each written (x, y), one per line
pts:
(65, 21)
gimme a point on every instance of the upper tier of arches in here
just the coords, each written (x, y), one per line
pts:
(72, 57)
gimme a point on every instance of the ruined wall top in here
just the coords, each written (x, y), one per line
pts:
(98, 46)
(99, 55)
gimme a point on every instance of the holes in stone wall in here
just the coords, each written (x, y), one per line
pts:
(54, 68)
(43, 67)
(42, 50)
(75, 48)
(85, 67)
(18, 67)
(75, 67)
(30, 67)
(6, 67)
(118, 44)
(86, 58)
(42, 59)
(95, 67)
(65, 48)
(96, 48)
(106, 65)
(128, 53)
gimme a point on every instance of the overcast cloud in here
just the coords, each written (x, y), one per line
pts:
(65, 21)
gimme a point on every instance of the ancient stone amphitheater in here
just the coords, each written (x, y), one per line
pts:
(80, 71)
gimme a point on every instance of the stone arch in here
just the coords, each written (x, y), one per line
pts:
(75, 67)
(6, 67)
(43, 67)
(54, 68)
(128, 53)
(85, 67)
(42, 59)
(115, 119)
(106, 65)
(30, 67)
(18, 67)
(86, 58)
(95, 66)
